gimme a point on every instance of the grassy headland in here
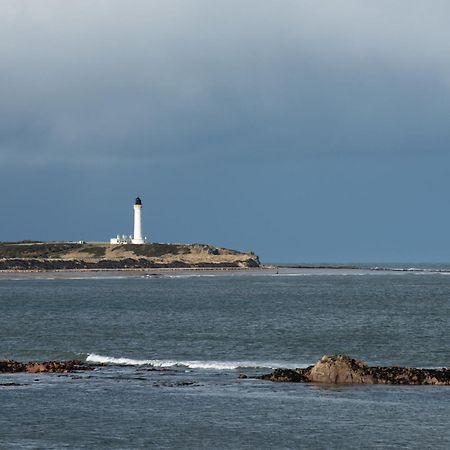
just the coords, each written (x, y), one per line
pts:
(29, 255)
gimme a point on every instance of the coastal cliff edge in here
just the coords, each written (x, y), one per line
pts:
(102, 256)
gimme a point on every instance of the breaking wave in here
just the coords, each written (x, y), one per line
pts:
(209, 365)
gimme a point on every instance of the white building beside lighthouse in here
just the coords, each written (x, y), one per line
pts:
(137, 237)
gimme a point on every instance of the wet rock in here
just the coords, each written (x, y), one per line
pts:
(342, 369)
(56, 366)
(175, 384)
(289, 375)
(10, 366)
(409, 375)
(35, 264)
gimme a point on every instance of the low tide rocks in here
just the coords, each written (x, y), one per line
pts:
(342, 369)
(11, 366)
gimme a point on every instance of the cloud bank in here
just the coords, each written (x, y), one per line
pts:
(111, 80)
(302, 130)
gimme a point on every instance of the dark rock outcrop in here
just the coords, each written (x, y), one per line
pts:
(342, 369)
(286, 375)
(10, 366)
(128, 263)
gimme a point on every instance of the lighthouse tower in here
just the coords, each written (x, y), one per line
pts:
(137, 236)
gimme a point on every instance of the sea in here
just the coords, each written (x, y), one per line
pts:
(180, 352)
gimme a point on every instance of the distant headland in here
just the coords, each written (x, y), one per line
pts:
(121, 253)
(43, 256)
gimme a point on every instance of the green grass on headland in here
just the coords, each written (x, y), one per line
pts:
(36, 250)
(95, 251)
(155, 250)
(52, 250)
(99, 255)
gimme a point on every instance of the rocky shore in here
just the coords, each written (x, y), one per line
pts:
(342, 369)
(334, 369)
(11, 366)
(106, 264)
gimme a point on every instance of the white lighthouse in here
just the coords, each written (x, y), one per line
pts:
(137, 236)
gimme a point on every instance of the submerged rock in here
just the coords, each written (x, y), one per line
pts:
(342, 369)
(11, 366)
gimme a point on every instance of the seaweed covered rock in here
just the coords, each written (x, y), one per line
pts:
(10, 366)
(283, 375)
(342, 369)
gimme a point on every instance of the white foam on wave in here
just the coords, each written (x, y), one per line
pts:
(209, 365)
(96, 277)
(197, 275)
(321, 273)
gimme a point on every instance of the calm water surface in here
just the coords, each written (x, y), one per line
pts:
(185, 338)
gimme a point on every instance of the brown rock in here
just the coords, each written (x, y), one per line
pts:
(339, 369)
(56, 366)
(10, 366)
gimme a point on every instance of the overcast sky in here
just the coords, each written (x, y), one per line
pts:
(302, 130)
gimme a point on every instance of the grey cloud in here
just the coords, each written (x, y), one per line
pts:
(110, 80)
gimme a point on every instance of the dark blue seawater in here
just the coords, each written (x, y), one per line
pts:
(186, 338)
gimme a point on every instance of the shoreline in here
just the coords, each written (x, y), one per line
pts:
(69, 256)
(61, 273)
(263, 269)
